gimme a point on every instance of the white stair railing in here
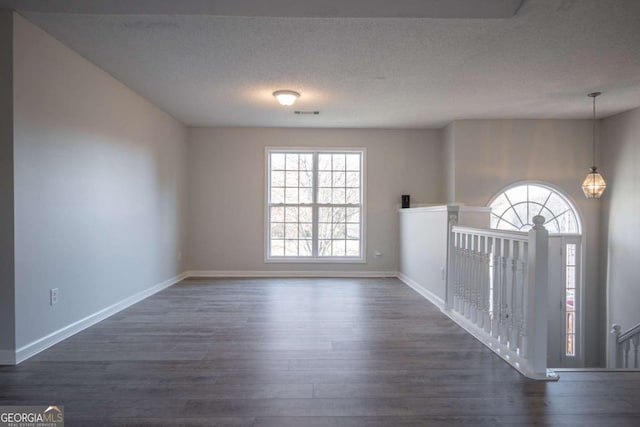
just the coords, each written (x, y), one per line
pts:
(623, 350)
(497, 290)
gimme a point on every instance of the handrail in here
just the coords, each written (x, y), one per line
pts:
(629, 334)
(624, 347)
(492, 232)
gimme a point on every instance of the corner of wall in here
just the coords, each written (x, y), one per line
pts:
(448, 161)
(7, 255)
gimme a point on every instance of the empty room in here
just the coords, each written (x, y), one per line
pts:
(319, 213)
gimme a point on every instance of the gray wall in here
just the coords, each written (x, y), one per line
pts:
(227, 191)
(489, 155)
(99, 188)
(448, 162)
(7, 296)
(621, 217)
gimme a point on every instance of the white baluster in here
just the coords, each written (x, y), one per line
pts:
(626, 346)
(461, 265)
(504, 301)
(460, 277)
(468, 278)
(472, 278)
(456, 271)
(481, 281)
(475, 281)
(461, 272)
(495, 321)
(515, 315)
(524, 257)
(635, 340)
(484, 282)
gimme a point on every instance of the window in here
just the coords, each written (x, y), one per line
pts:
(515, 208)
(570, 300)
(315, 205)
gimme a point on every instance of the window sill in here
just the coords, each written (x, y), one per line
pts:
(291, 260)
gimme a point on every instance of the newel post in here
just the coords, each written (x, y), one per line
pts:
(613, 355)
(452, 221)
(535, 350)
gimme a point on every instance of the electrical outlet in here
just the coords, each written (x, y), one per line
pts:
(53, 296)
(377, 254)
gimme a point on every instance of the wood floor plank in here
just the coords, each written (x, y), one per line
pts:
(300, 352)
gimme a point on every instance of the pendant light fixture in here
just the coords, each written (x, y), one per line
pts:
(594, 185)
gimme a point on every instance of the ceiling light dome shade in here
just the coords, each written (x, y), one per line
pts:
(286, 97)
(593, 185)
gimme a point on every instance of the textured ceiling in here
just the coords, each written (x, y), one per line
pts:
(212, 70)
(281, 8)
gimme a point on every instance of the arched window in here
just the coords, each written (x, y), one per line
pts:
(514, 209)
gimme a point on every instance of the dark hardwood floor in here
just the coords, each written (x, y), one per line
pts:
(300, 352)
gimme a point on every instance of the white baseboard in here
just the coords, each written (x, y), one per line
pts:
(433, 298)
(596, 369)
(31, 349)
(319, 274)
(7, 357)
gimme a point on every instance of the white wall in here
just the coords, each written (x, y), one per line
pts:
(99, 174)
(227, 191)
(491, 154)
(423, 251)
(423, 245)
(621, 217)
(7, 305)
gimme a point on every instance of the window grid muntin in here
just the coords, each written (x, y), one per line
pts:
(315, 206)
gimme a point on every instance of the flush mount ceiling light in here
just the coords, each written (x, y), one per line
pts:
(594, 185)
(286, 97)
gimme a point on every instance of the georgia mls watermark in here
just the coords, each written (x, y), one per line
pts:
(31, 416)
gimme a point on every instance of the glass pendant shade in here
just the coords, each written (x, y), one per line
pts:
(593, 185)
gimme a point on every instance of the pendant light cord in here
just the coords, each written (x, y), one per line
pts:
(594, 132)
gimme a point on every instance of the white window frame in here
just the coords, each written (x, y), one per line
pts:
(315, 259)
